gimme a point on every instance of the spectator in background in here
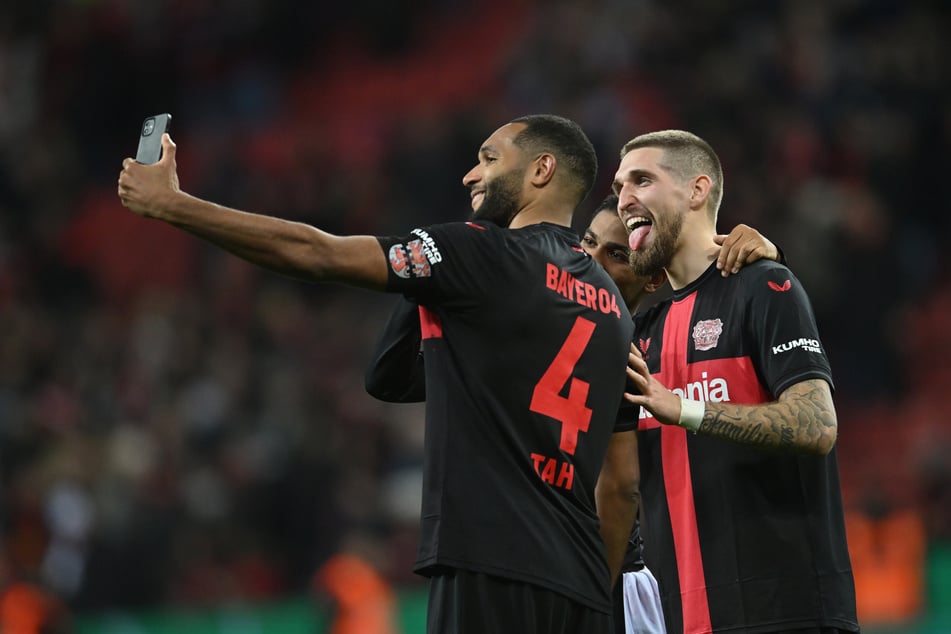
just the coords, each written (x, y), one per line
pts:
(362, 601)
(27, 607)
(887, 549)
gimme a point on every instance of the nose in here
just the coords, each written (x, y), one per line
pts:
(472, 177)
(624, 198)
(599, 256)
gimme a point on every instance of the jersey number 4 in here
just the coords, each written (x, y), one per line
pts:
(571, 411)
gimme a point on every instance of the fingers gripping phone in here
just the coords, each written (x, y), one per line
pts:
(150, 138)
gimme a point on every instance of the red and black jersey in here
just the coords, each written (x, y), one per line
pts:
(525, 342)
(740, 539)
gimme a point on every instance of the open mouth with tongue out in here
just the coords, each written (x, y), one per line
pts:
(639, 226)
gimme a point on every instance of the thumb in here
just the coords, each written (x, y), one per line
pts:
(168, 149)
(719, 238)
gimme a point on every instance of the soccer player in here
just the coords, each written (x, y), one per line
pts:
(739, 477)
(525, 339)
(396, 374)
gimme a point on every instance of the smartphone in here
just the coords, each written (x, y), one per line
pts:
(150, 139)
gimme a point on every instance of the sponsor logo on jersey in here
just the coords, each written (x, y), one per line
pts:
(809, 345)
(706, 334)
(570, 287)
(429, 246)
(780, 288)
(713, 389)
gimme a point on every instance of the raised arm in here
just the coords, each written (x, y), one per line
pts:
(801, 420)
(291, 248)
(396, 372)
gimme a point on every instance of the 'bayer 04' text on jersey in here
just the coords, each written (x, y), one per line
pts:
(525, 339)
(741, 539)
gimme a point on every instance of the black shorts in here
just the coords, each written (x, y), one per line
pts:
(466, 602)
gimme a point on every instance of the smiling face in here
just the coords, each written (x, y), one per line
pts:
(495, 183)
(652, 205)
(605, 240)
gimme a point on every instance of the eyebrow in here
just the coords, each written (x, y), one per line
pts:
(486, 149)
(608, 244)
(617, 245)
(631, 175)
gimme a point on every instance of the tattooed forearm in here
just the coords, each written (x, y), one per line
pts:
(725, 426)
(802, 420)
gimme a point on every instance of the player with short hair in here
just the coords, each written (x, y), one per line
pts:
(525, 341)
(738, 469)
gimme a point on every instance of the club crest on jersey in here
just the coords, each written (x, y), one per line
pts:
(644, 344)
(409, 260)
(706, 334)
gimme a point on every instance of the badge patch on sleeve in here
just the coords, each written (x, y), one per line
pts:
(416, 257)
(398, 261)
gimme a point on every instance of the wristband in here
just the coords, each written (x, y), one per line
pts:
(691, 414)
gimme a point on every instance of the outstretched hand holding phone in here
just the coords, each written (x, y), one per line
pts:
(147, 189)
(150, 138)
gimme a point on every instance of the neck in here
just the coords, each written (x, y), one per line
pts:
(540, 211)
(694, 255)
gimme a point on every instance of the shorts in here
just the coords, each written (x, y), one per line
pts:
(637, 607)
(467, 602)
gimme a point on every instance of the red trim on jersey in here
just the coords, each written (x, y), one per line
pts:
(429, 324)
(650, 422)
(677, 478)
(475, 226)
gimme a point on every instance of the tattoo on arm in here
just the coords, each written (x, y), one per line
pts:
(803, 420)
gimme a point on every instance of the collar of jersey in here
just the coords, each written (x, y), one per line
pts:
(694, 285)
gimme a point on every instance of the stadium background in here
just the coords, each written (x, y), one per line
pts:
(185, 440)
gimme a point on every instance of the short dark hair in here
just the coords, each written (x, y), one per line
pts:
(687, 155)
(567, 142)
(608, 204)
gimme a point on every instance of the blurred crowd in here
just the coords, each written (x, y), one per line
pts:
(178, 427)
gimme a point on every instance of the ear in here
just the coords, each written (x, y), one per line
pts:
(542, 169)
(656, 281)
(700, 191)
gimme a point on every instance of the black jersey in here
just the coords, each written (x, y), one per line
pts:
(740, 539)
(525, 344)
(396, 373)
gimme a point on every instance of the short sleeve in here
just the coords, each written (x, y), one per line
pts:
(440, 262)
(784, 328)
